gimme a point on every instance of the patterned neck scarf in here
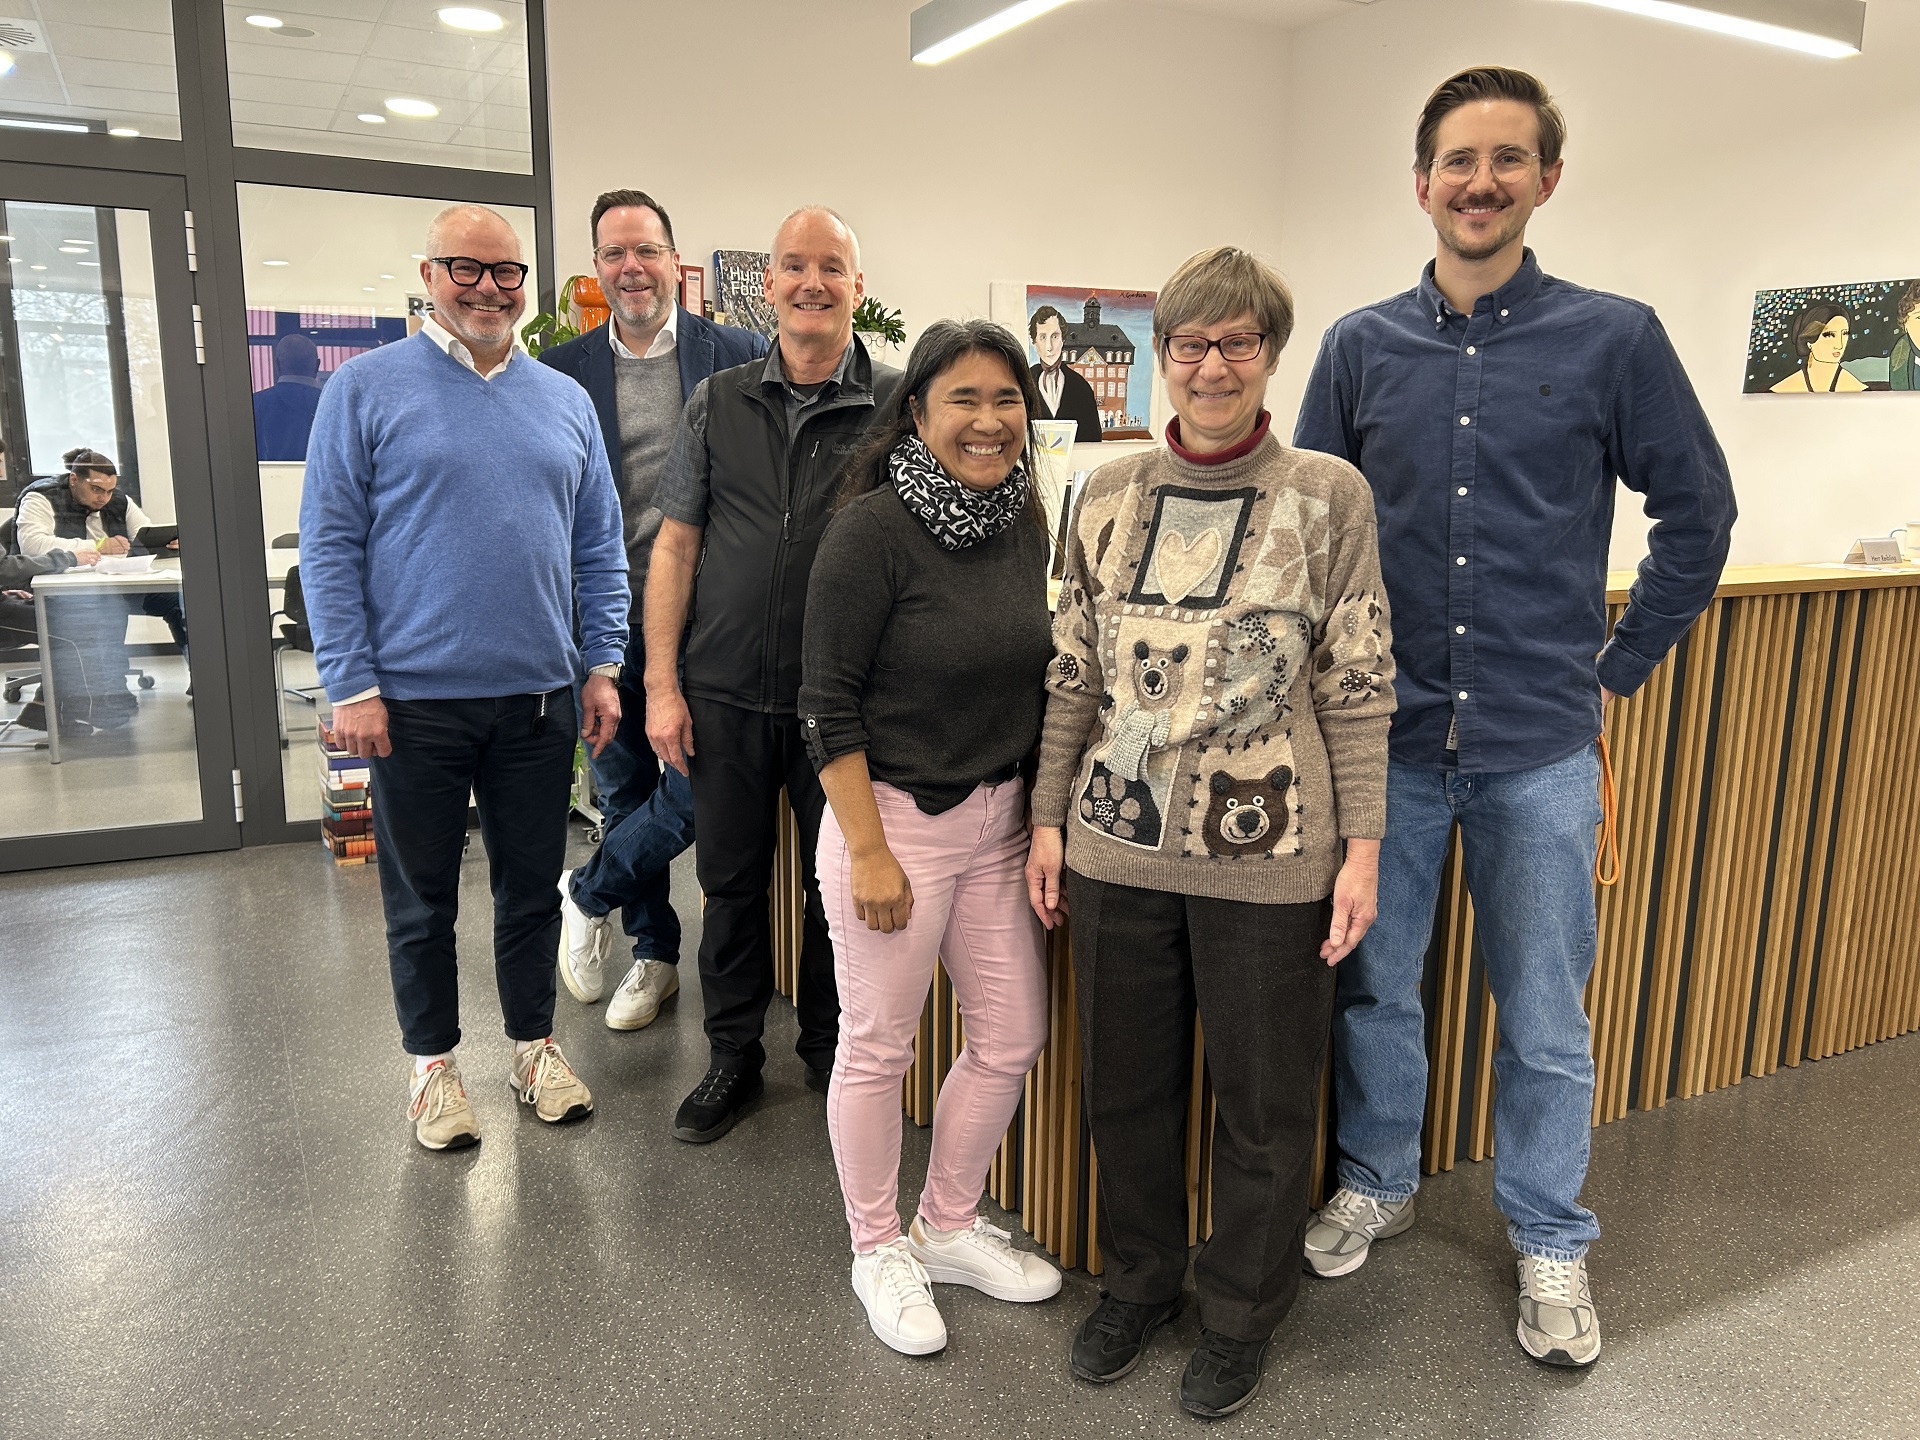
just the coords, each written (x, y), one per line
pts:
(954, 514)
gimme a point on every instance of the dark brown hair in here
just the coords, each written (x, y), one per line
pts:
(1489, 82)
(1040, 317)
(82, 461)
(1808, 324)
(1909, 302)
(941, 346)
(614, 199)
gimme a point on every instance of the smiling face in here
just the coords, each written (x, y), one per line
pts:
(974, 420)
(480, 315)
(1218, 400)
(639, 292)
(1049, 339)
(814, 281)
(1479, 218)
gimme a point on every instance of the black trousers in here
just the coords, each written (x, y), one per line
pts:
(1143, 961)
(519, 769)
(741, 760)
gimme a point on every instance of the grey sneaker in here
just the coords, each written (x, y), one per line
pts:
(1558, 1324)
(1340, 1236)
(542, 1078)
(636, 1003)
(437, 1105)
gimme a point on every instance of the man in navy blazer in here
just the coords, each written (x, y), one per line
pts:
(637, 369)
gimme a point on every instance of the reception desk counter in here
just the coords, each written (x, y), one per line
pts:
(1767, 909)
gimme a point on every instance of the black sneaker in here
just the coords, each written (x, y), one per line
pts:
(1112, 1339)
(716, 1102)
(819, 1077)
(1222, 1375)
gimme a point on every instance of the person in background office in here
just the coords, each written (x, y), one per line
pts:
(458, 527)
(750, 484)
(1215, 749)
(283, 412)
(638, 370)
(922, 674)
(1494, 545)
(83, 512)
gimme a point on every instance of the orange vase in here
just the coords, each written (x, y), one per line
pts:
(585, 306)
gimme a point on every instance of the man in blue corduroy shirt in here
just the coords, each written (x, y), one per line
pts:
(458, 519)
(1491, 408)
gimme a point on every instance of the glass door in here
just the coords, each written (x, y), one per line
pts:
(115, 733)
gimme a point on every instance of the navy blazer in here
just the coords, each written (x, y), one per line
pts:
(702, 347)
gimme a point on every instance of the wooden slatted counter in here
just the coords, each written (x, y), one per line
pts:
(1767, 910)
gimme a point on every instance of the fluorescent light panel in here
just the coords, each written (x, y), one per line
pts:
(1831, 29)
(942, 29)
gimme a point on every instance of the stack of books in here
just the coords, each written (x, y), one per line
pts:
(346, 803)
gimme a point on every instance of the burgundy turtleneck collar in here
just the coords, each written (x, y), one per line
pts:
(1232, 452)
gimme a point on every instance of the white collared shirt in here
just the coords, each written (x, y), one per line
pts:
(664, 343)
(456, 347)
(1052, 383)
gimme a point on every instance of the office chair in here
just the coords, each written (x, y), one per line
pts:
(16, 680)
(294, 634)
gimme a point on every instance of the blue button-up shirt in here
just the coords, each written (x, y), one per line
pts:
(1492, 441)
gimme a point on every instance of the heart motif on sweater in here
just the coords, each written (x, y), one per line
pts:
(1180, 564)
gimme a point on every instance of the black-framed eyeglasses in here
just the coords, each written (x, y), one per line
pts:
(1507, 164)
(645, 254)
(1192, 349)
(465, 270)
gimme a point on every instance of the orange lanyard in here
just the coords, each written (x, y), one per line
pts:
(1606, 864)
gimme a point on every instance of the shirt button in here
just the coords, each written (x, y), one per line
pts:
(1472, 351)
(1463, 489)
(1461, 560)
(1458, 630)
(1466, 419)
(1503, 314)
(1463, 694)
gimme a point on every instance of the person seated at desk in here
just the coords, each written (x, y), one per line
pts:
(83, 514)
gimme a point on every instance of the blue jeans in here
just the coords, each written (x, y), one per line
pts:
(647, 820)
(1528, 838)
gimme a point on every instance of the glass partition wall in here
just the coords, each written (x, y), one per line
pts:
(205, 208)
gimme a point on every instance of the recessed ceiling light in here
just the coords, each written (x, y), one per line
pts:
(418, 256)
(386, 277)
(125, 132)
(276, 262)
(36, 267)
(6, 239)
(367, 117)
(90, 264)
(6, 64)
(73, 249)
(266, 22)
(470, 17)
(367, 288)
(413, 109)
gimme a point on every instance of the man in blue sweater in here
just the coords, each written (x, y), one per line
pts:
(638, 370)
(458, 521)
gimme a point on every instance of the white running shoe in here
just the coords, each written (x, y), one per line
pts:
(437, 1104)
(636, 1003)
(983, 1257)
(1341, 1236)
(1558, 1322)
(584, 942)
(900, 1309)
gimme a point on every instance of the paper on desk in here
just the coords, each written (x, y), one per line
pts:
(124, 564)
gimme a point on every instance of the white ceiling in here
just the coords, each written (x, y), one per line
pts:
(112, 61)
(1282, 14)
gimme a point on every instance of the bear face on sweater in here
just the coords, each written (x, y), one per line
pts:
(1247, 817)
(1158, 676)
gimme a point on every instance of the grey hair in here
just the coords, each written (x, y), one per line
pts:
(832, 214)
(463, 212)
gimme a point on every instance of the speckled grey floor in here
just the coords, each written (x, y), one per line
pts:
(214, 1222)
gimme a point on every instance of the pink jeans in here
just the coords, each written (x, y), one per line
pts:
(970, 911)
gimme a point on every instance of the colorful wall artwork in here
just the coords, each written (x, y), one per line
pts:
(1092, 353)
(739, 290)
(1835, 339)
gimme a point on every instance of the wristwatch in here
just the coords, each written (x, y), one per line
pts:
(611, 670)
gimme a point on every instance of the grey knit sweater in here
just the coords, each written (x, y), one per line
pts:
(1222, 681)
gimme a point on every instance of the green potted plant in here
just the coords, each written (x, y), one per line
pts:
(579, 301)
(878, 327)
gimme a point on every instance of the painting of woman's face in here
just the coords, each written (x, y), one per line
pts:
(1829, 347)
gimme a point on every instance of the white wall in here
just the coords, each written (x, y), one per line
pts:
(1046, 157)
(1699, 169)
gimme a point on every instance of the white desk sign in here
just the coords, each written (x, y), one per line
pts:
(1880, 550)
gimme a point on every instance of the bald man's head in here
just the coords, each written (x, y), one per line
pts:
(813, 278)
(466, 225)
(480, 314)
(820, 213)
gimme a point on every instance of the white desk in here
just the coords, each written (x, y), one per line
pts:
(85, 580)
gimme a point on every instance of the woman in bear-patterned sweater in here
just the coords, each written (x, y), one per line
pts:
(1215, 750)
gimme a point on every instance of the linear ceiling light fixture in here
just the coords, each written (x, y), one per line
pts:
(1832, 29)
(65, 127)
(942, 29)
(413, 109)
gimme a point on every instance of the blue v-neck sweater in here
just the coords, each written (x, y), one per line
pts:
(452, 529)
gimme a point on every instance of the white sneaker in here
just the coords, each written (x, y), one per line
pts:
(636, 1003)
(584, 942)
(1558, 1322)
(900, 1308)
(1341, 1236)
(983, 1257)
